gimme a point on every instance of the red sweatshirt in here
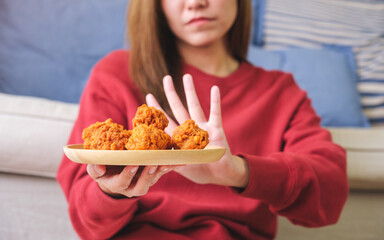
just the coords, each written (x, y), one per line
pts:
(295, 169)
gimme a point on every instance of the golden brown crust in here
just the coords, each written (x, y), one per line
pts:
(147, 134)
(150, 116)
(189, 136)
(105, 136)
(148, 138)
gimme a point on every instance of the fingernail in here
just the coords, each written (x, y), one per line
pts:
(152, 170)
(165, 169)
(133, 170)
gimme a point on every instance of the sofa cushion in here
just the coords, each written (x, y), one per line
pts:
(327, 75)
(33, 208)
(33, 133)
(48, 47)
(315, 24)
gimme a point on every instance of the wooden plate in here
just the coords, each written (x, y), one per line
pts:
(77, 154)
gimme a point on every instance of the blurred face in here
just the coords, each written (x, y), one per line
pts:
(200, 22)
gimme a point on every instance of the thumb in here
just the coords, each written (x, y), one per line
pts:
(96, 171)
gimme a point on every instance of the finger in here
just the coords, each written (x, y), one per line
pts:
(161, 171)
(164, 168)
(145, 181)
(215, 112)
(177, 107)
(96, 171)
(124, 179)
(116, 183)
(178, 167)
(193, 103)
(152, 102)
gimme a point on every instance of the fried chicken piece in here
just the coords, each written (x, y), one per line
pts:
(148, 138)
(189, 136)
(150, 116)
(106, 136)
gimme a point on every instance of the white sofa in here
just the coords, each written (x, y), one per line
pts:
(32, 206)
(33, 132)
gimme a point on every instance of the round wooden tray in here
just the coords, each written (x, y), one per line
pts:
(77, 154)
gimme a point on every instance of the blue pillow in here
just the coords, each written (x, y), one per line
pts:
(316, 24)
(48, 47)
(327, 75)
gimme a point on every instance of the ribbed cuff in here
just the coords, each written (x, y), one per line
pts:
(271, 179)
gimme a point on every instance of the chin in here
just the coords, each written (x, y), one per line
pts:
(204, 40)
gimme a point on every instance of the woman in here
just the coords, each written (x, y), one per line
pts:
(279, 161)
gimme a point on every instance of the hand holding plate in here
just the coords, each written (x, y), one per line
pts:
(129, 182)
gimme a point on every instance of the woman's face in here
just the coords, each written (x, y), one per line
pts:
(200, 23)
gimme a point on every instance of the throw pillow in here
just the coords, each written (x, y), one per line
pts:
(327, 75)
(314, 24)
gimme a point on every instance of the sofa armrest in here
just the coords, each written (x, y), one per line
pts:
(365, 156)
(33, 133)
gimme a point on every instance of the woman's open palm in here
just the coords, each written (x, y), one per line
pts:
(229, 170)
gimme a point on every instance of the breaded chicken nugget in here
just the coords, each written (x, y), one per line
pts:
(148, 138)
(189, 136)
(105, 136)
(150, 116)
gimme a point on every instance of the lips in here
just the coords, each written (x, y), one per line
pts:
(199, 20)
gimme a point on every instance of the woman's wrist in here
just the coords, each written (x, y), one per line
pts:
(241, 173)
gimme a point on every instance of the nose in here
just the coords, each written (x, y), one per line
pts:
(196, 4)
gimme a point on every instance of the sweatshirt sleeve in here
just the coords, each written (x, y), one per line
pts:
(307, 181)
(94, 214)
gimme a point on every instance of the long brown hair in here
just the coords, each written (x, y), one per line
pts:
(153, 50)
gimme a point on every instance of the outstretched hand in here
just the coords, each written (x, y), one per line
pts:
(230, 170)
